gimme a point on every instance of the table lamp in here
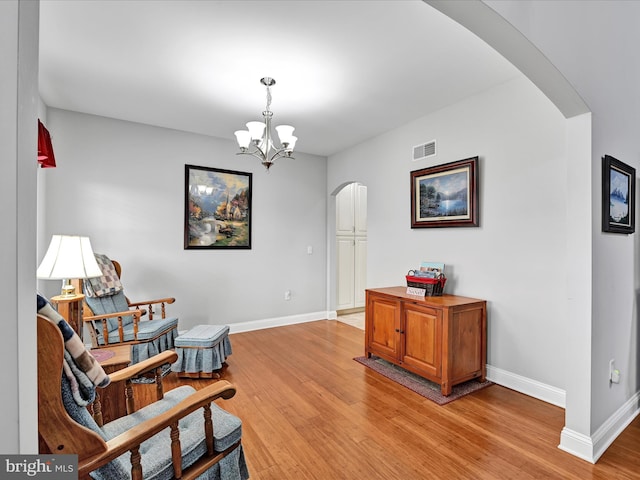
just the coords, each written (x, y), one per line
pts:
(68, 257)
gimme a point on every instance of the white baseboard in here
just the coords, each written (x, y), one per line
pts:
(277, 322)
(592, 448)
(589, 448)
(533, 388)
(577, 444)
(615, 424)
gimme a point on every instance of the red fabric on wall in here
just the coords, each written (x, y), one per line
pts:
(46, 159)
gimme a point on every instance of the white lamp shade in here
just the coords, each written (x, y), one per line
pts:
(256, 129)
(69, 256)
(285, 132)
(292, 143)
(243, 137)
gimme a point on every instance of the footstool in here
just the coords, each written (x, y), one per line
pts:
(202, 351)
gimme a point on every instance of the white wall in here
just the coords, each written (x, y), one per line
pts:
(594, 46)
(18, 140)
(591, 42)
(122, 184)
(516, 258)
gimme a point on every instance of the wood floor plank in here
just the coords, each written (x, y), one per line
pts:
(310, 412)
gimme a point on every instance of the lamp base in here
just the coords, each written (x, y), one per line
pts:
(68, 290)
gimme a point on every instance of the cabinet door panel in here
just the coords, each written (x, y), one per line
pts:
(345, 220)
(383, 327)
(360, 271)
(422, 332)
(345, 256)
(466, 341)
(360, 208)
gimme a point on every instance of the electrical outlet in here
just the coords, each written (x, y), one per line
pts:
(287, 295)
(614, 373)
(615, 376)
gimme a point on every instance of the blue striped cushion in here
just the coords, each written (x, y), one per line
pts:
(202, 336)
(147, 330)
(156, 452)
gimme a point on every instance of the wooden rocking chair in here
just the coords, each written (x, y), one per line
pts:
(114, 320)
(182, 435)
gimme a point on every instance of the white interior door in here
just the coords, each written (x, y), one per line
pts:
(360, 208)
(360, 271)
(345, 255)
(351, 246)
(345, 213)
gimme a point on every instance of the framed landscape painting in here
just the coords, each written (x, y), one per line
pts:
(618, 196)
(217, 212)
(445, 195)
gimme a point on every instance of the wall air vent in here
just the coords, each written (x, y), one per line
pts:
(425, 150)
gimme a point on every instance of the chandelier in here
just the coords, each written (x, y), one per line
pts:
(257, 140)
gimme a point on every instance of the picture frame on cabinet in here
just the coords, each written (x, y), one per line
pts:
(217, 208)
(618, 196)
(445, 195)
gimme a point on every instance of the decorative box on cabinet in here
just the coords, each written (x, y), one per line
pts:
(443, 339)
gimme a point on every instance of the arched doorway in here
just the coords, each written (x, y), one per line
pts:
(351, 248)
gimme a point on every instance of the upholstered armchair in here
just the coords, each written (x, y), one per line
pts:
(112, 319)
(184, 434)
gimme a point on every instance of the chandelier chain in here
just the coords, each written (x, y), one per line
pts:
(268, 98)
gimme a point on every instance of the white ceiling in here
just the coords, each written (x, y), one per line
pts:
(345, 70)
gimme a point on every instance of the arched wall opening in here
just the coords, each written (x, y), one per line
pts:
(496, 31)
(334, 237)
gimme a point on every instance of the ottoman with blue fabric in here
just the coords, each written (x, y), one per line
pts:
(202, 351)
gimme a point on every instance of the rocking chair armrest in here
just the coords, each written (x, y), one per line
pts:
(145, 430)
(168, 300)
(135, 313)
(132, 371)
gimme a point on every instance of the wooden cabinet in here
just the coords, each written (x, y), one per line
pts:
(443, 339)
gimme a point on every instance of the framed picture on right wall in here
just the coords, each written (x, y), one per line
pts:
(618, 196)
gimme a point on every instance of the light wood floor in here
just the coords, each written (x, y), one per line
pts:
(310, 412)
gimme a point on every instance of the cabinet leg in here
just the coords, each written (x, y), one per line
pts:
(445, 389)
